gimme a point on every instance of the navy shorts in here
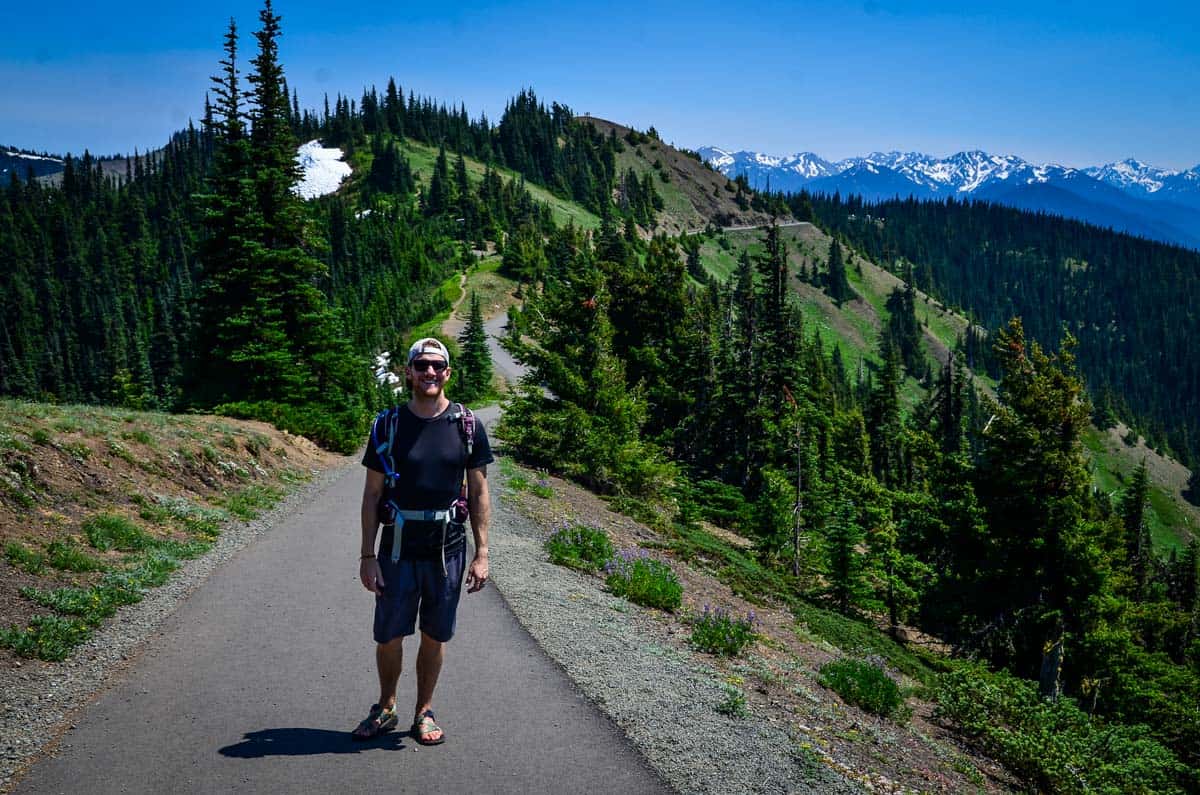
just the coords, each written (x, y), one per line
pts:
(418, 587)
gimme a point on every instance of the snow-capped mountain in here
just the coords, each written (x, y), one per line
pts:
(1128, 196)
(785, 173)
(1132, 176)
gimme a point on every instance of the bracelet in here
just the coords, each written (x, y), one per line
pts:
(366, 557)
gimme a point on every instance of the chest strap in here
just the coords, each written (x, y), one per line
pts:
(423, 516)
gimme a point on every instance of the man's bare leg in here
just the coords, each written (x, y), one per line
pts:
(389, 658)
(429, 668)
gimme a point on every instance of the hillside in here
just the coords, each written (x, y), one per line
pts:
(694, 195)
(817, 740)
(855, 327)
(99, 504)
(759, 432)
(143, 465)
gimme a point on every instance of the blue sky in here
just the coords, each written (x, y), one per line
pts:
(1062, 81)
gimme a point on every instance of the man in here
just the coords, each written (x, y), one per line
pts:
(415, 463)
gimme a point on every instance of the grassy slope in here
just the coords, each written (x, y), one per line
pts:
(421, 159)
(693, 194)
(166, 483)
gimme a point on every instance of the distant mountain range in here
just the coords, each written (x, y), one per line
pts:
(1128, 196)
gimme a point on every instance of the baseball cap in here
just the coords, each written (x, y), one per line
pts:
(428, 345)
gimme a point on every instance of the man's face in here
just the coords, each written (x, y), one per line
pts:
(428, 374)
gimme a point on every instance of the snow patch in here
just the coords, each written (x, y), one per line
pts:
(323, 170)
(24, 156)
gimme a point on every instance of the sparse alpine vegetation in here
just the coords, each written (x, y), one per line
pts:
(100, 505)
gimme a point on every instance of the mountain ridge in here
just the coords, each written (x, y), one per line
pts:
(1128, 196)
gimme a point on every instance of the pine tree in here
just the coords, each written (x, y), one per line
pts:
(574, 410)
(233, 220)
(439, 198)
(845, 563)
(1137, 534)
(1047, 558)
(883, 419)
(837, 285)
(473, 371)
(267, 331)
(1192, 492)
(903, 327)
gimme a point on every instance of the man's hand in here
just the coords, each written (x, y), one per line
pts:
(370, 575)
(477, 574)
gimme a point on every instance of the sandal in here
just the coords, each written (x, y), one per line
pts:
(377, 722)
(424, 726)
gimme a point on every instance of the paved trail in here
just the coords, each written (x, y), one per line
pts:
(255, 682)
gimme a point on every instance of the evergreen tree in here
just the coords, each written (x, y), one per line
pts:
(1047, 559)
(843, 538)
(903, 328)
(574, 410)
(439, 198)
(884, 420)
(1192, 492)
(276, 341)
(837, 285)
(473, 371)
(1137, 534)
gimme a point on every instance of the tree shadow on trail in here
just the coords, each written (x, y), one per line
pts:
(307, 742)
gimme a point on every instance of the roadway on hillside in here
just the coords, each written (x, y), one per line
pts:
(758, 226)
(255, 682)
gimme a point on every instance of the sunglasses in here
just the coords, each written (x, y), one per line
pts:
(421, 365)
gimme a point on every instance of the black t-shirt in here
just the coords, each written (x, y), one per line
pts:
(429, 456)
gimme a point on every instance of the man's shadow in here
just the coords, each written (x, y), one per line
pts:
(308, 742)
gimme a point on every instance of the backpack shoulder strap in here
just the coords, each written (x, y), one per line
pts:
(466, 426)
(383, 437)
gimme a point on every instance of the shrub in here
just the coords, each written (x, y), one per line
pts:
(22, 557)
(139, 435)
(717, 502)
(734, 703)
(69, 556)
(579, 547)
(641, 579)
(341, 430)
(107, 531)
(1055, 746)
(47, 637)
(251, 501)
(92, 605)
(718, 632)
(152, 568)
(862, 684)
(196, 519)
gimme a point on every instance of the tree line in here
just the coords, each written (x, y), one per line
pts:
(199, 281)
(1129, 301)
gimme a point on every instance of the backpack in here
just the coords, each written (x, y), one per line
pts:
(383, 434)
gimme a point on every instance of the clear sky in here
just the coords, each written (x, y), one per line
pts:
(1077, 83)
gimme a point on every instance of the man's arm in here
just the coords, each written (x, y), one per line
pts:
(480, 505)
(368, 567)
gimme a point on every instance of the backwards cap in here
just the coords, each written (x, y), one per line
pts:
(428, 345)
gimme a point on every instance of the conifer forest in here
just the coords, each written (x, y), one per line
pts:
(194, 279)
